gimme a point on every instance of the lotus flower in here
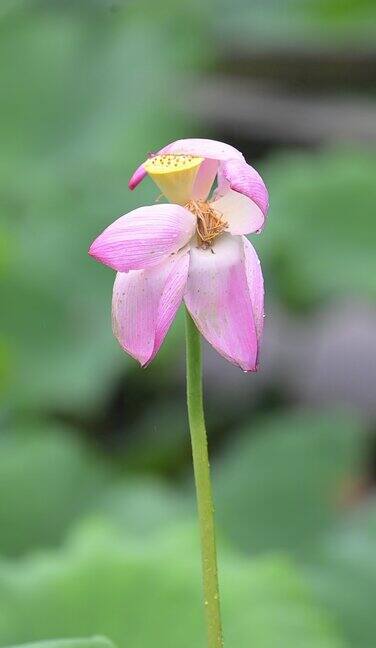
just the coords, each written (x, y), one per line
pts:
(193, 249)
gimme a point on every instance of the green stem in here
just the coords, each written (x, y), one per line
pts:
(203, 485)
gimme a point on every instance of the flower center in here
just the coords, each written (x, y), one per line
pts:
(209, 222)
(175, 175)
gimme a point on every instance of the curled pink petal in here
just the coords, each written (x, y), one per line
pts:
(255, 284)
(218, 298)
(137, 177)
(205, 148)
(242, 215)
(241, 177)
(144, 237)
(144, 305)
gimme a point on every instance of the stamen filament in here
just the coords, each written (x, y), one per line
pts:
(210, 223)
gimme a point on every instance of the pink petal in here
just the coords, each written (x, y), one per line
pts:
(241, 177)
(144, 305)
(255, 284)
(218, 298)
(204, 179)
(144, 237)
(243, 216)
(205, 148)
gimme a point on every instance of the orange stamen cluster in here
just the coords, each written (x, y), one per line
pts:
(209, 222)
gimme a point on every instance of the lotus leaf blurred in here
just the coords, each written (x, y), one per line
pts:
(147, 592)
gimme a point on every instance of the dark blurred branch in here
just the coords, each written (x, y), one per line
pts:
(307, 66)
(263, 111)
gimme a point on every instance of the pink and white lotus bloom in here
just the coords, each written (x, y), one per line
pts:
(193, 249)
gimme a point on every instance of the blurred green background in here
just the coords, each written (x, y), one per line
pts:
(97, 518)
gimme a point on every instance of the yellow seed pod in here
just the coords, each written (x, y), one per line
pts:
(175, 175)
